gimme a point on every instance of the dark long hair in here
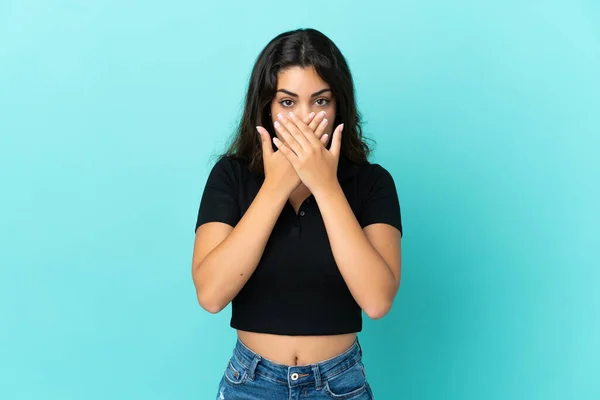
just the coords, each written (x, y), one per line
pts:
(303, 48)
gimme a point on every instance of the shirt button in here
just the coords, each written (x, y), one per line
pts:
(294, 376)
(302, 213)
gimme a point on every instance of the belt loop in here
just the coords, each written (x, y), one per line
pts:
(359, 348)
(317, 373)
(252, 366)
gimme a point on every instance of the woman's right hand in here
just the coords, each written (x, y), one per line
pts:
(279, 172)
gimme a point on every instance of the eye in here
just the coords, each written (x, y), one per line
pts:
(322, 102)
(286, 103)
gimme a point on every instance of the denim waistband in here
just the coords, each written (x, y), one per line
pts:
(296, 375)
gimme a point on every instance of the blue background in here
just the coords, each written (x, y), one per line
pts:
(487, 113)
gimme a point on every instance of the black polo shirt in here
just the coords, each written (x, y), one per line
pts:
(297, 288)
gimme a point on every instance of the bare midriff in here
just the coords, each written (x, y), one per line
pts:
(296, 350)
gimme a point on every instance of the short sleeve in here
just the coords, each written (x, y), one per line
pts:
(380, 204)
(219, 201)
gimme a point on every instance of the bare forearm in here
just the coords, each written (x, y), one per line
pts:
(225, 270)
(366, 273)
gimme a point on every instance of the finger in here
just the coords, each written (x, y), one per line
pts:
(265, 139)
(289, 139)
(317, 120)
(323, 139)
(336, 142)
(308, 119)
(321, 128)
(294, 131)
(304, 130)
(287, 152)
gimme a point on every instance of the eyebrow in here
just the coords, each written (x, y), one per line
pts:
(312, 95)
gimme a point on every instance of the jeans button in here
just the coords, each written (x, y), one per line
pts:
(294, 376)
(302, 213)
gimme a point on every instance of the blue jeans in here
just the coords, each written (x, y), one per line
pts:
(248, 376)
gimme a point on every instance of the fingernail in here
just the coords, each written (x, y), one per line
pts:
(312, 114)
(277, 124)
(342, 127)
(324, 122)
(322, 114)
(280, 116)
(291, 114)
(325, 136)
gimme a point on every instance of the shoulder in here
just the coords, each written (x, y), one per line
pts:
(373, 174)
(230, 165)
(375, 171)
(226, 162)
(379, 202)
(228, 170)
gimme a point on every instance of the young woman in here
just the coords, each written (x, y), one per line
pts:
(298, 230)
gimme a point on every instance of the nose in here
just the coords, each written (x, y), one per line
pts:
(302, 112)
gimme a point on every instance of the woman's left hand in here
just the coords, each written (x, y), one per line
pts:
(315, 165)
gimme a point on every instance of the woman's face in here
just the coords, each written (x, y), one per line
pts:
(302, 91)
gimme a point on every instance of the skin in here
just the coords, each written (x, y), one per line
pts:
(303, 82)
(369, 259)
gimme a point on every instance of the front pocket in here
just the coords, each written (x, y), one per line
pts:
(233, 375)
(350, 384)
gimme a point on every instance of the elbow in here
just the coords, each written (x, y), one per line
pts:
(210, 305)
(378, 311)
(207, 298)
(213, 309)
(380, 305)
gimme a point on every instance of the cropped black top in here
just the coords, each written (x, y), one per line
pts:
(297, 288)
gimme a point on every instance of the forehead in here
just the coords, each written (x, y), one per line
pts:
(300, 80)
